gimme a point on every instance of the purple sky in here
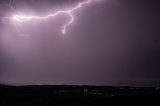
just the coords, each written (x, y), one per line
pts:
(114, 42)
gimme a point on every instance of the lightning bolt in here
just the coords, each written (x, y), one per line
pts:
(69, 12)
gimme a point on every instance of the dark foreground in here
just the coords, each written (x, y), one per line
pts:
(77, 95)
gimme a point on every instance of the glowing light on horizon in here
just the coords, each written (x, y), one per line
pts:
(69, 12)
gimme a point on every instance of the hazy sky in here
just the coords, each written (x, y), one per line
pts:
(111, 42)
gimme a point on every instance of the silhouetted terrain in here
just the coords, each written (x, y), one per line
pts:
(76, 95)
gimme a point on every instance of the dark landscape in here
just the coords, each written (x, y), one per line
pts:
(76, 95)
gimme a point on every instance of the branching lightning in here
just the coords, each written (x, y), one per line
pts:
(69, 12)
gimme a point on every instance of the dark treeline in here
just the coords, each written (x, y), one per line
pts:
(75, 95)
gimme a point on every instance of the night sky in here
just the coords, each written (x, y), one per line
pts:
(111, 42)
